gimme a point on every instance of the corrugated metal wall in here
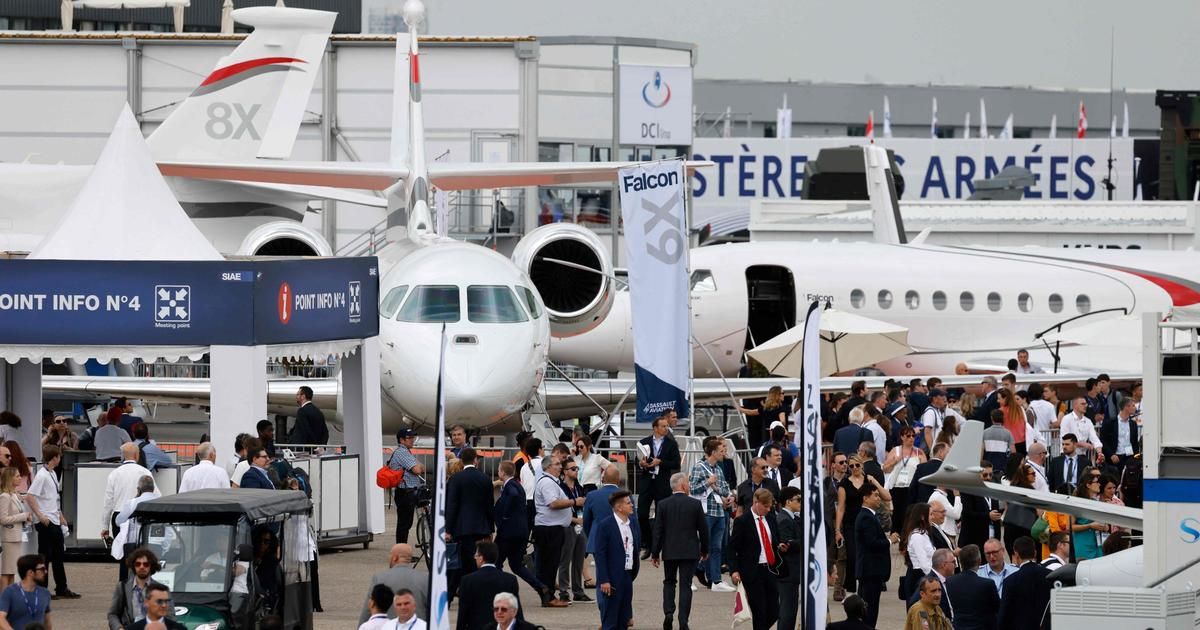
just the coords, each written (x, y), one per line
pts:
(202, 15)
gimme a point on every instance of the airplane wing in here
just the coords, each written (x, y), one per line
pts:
(379, 176)
(308, 193)
(961, 472)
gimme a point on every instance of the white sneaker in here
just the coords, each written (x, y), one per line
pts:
(694, 589)
(721, 587)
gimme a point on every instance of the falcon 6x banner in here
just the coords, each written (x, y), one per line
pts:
(652, 207)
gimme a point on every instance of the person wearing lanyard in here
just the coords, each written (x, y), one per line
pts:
(378, 602)
(25, 602)
(708, 485)
(405, 606)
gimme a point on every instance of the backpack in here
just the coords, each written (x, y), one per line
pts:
(387, 478)
(301, 477)
(142, 453)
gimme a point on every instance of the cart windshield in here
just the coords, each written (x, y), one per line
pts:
(195, 557)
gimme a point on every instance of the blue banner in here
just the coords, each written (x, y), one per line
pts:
(107, 303)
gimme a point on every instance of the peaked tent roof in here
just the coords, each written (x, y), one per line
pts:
(125, 210)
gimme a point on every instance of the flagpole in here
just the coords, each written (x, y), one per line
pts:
(687, 261)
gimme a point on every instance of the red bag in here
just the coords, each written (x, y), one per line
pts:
(387, 478)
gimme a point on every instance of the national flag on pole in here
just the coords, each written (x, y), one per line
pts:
(982, 120)
(653, 208)
(967, 127)
(1007, 132)
(808, 439)
(933, 123)
(1112, 131)
(871, 126)
(1053, 126)
(887, 119)
(1081, 127)
(783, 120)
(1125, 123)
(439, 593)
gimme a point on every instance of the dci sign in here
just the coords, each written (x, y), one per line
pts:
(656, 105)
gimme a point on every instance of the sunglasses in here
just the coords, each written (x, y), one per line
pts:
(160, 602)
(840, 463)
(141, 563)
(856, 465)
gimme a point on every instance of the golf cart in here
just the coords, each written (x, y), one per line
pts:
(231, 557)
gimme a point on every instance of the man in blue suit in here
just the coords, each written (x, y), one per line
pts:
(596, 507)
(512, 527)
(617, 542)
(256, 476)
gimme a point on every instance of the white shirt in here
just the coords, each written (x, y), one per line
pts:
(547, 491)
(953, 512)
(415, 623)
(1083, 428)
(129, 530)
(46, 490)
(626, 540)
(1044, 411)
(1032, 369)
(880, 439)
(204, 475)
(920, 551)
(762, 552)
(376, 622)
(1039, 477)
(933, 419)
(121, 487)
(773, 475)
(1124, 445)
(591, 468)
(239, 471)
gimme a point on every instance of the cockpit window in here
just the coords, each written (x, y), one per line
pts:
(391, 301)
(531, 301)
(431, 304)
(702, 280)
(493, 305)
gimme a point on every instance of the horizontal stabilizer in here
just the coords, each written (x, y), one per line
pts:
(313, 193)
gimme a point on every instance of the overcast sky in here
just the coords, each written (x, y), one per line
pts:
(1043, 43)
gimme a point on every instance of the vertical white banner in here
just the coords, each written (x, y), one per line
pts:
(439, 593)
(653, 209)
(808, 439)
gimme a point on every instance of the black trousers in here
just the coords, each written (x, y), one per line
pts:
(466, 563)
(789, 605)
(645, 498)
(763, 596)
(548, 541)
(512, 551)
(51, 545)
(406, 505)
(314, 574)
(869, 589)
(678, 573)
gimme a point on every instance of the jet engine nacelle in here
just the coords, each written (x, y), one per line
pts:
(573, 273)
(284, 238)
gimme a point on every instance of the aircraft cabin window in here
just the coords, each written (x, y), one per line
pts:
(391, 301)
(885, 299)
(1025, 302)
(858, 298)
(702, 280)
(531, 301)
(431, 304)
(994, 302)
(912, 300)
(493, 304)
(939, 300)
(966, 300)
(1055, 302)
(1083, 304)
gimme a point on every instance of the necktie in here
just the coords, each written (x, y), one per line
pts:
(766, 542)
(775, 475)
(1071, 470)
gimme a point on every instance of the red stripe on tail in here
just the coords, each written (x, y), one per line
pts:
(237, 68)
(414, 68)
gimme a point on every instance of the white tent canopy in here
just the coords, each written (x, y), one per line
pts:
(176, 6)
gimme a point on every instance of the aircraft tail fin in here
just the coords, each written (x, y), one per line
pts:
(965, 455)
(885, 201)
(420, 219)
(252, 103)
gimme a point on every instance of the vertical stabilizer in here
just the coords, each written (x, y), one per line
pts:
(252, 102)
(885, 202)
(420, 220)
(400, 91)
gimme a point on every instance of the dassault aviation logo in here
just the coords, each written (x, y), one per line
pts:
(656, 93)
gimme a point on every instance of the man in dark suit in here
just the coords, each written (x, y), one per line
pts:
(468, 514)
(757, 481)
(943, 568)
(871, 467)
(756, 559)
(1120, 438)
(858, 390)
(256, 476)
(595, 505)
(310, 422)
(512, 527)
(983, 412)
(924, 490)
(856, 612)
(776, 471)
(1025, 601)
(1065, 468)
(873, 560)
(617, 563)
(975, 600)
(791, 544)
(657, 466)
(981, 516)
(682, 517)
(477, 590)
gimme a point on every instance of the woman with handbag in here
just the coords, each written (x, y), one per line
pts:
(900, 468)
(13, 521)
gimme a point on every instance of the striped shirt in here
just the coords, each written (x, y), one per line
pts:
(698, 480)
(402, 459)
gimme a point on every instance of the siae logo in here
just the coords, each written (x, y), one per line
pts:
(1189, 530)
(656, 92)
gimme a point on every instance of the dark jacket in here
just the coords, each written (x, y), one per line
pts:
(475, 594)
(1108, 436)
(683, 518)
(510, 516)
(923, 490)
(120, 610)
(791, 530)
(983, 412)
(975, 601)
(974, 522)
(310, 426)
(842, 419)
(1026, 598)
(945, 603)
(745, 492)
(660, 484)
(744, 547)
(469, 504)
(610, 551)
(256, 478)
(1058, 467)
(596, 509)
(873, 558)
(847, 439)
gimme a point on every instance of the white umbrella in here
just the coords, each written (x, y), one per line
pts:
(68, 15)
(227, 17)
(847, 342)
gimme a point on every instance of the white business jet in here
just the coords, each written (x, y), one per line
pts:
(961, 304)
